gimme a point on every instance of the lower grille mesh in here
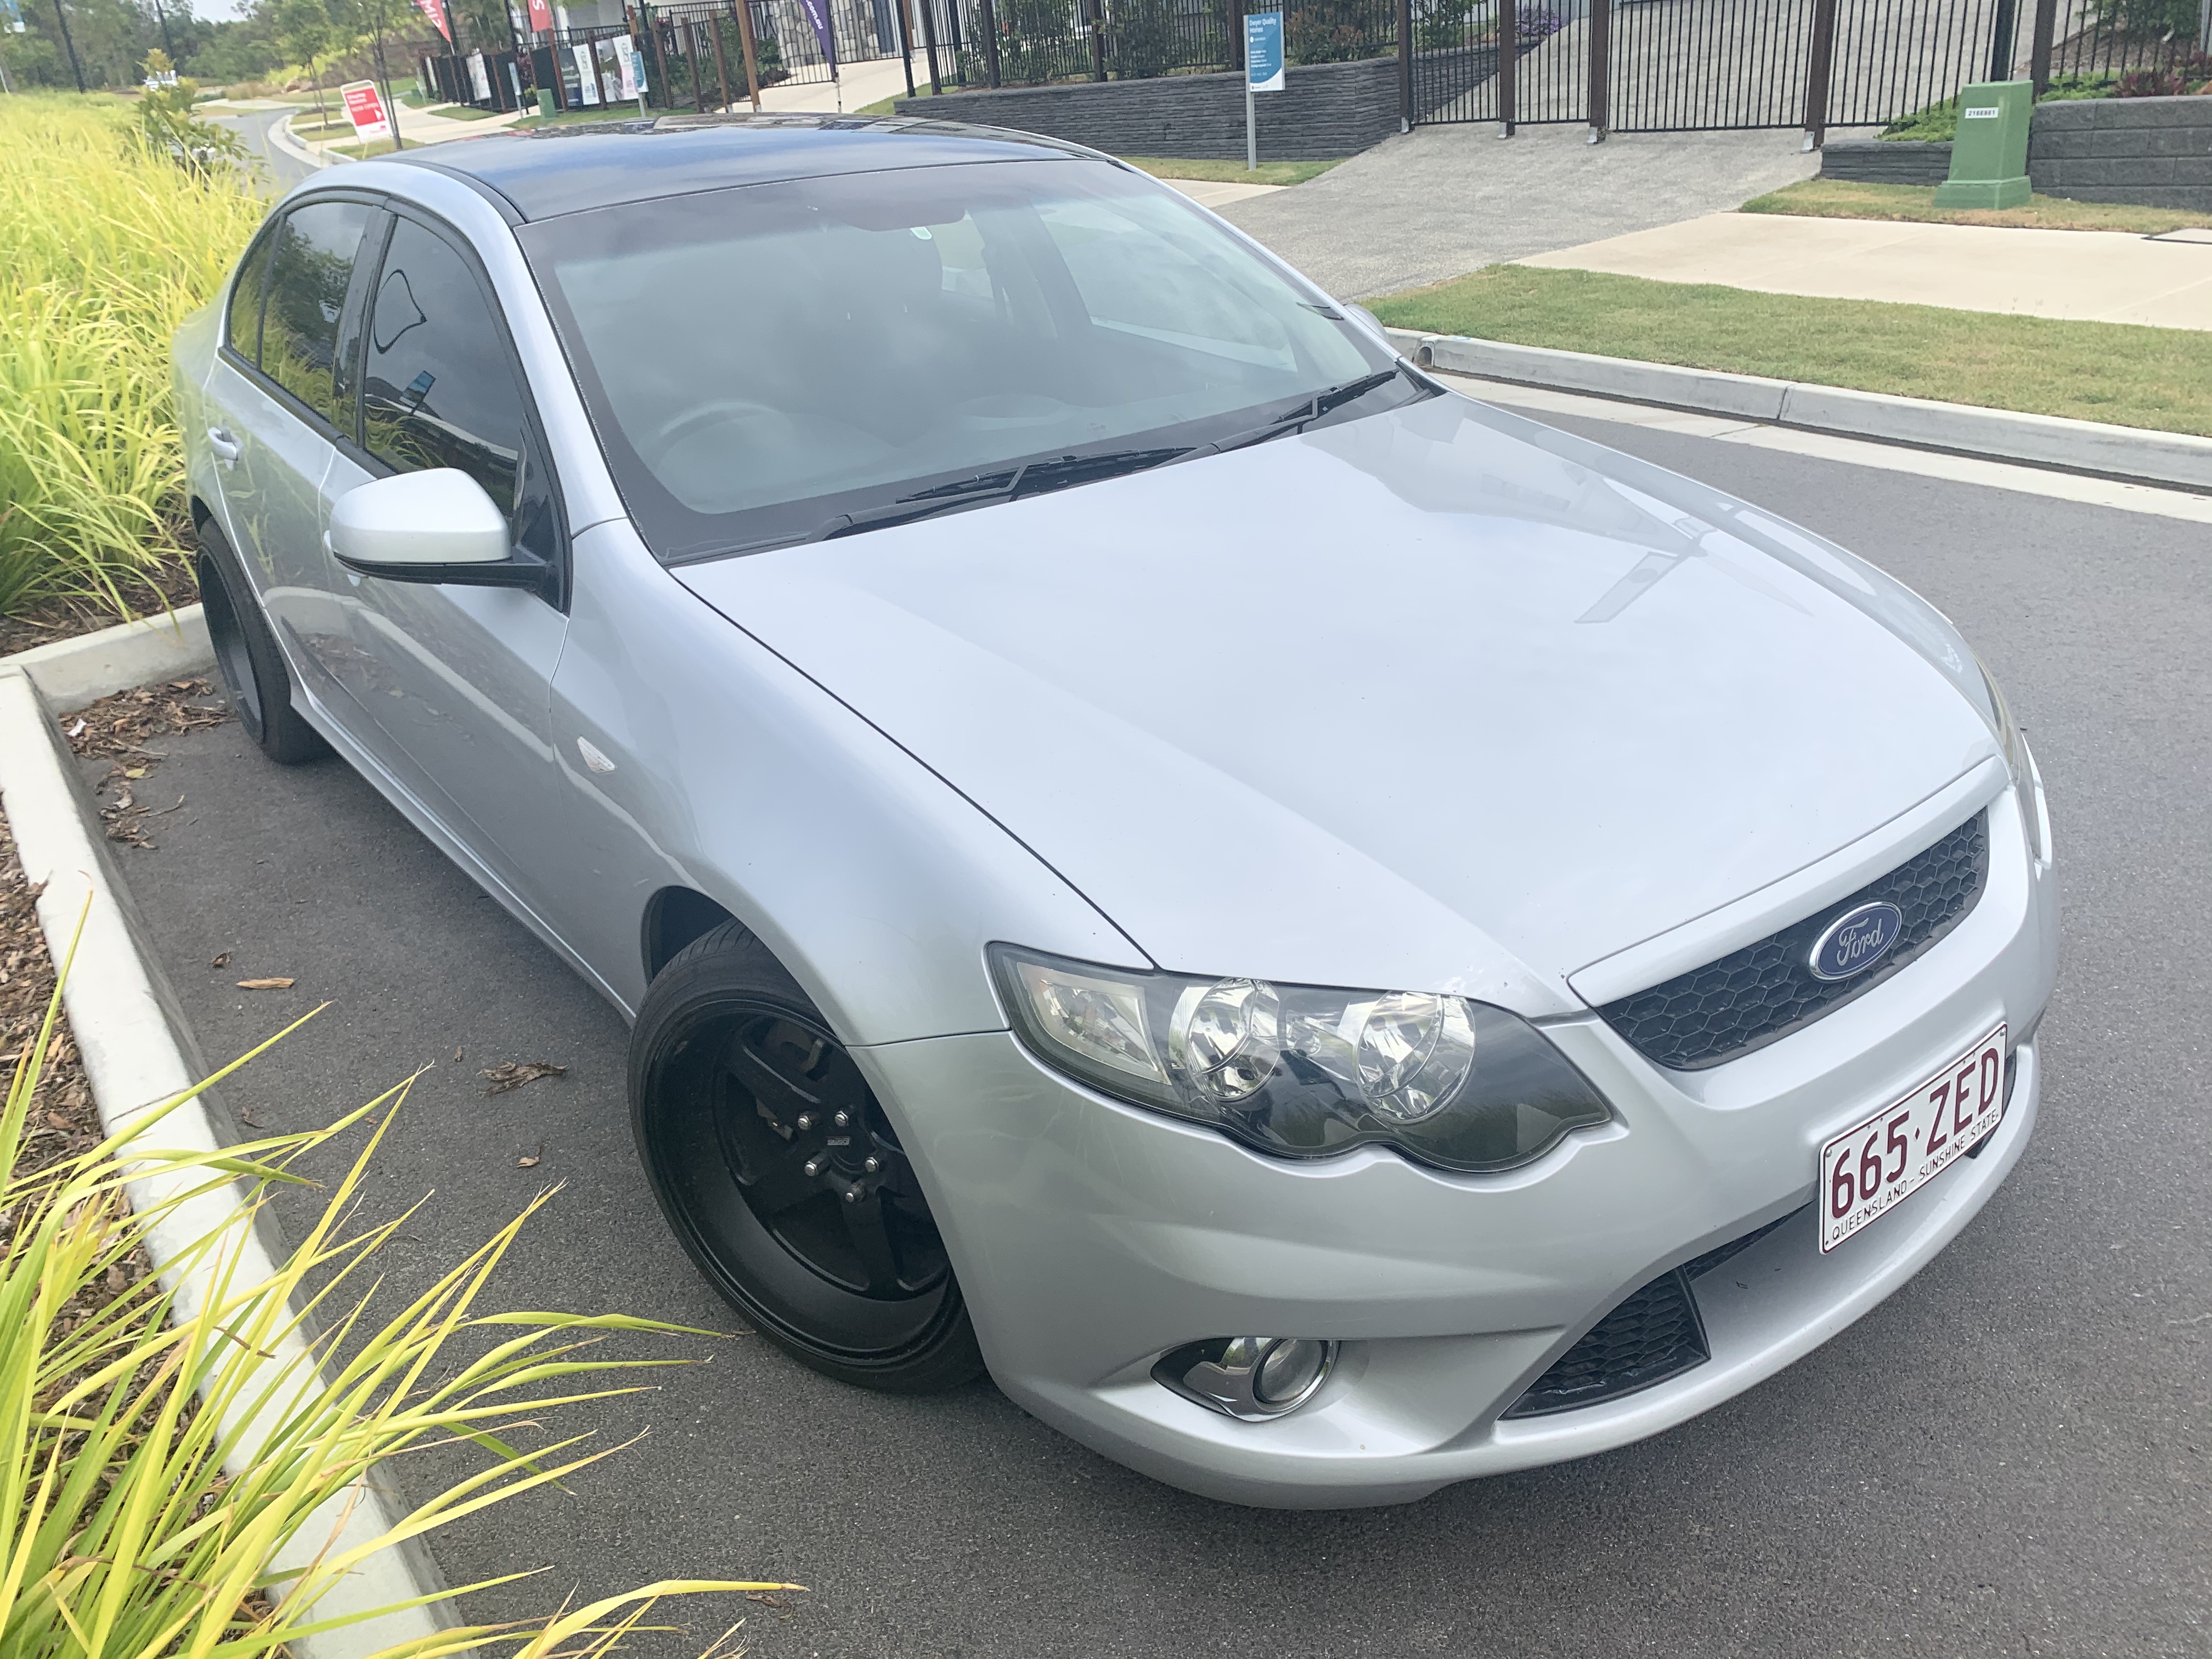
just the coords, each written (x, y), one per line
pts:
(1654, 1334)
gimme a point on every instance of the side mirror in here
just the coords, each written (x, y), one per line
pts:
(436, 526)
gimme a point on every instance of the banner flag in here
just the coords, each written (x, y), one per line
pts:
(817, 12)
(435, 11)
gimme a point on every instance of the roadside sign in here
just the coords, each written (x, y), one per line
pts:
(629, 64)
(479, 78)
(365, 110)
(1263, 50)
(541, 16)
(588, 81)
(1263, 72)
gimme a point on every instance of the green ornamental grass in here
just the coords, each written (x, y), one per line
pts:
(160, 1452)
(105, 246)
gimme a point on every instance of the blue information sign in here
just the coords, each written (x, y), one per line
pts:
(1263, 50)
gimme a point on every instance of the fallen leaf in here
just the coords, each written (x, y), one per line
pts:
(222, 960)
(457, 1054)
(273, 984)
(530, 1162)
(513, 1073)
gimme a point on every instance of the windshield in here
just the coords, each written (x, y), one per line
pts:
(771, 362)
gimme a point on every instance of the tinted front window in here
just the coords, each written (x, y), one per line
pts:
(439, 390)
(244, 332)
(308, 273)
(761, 359)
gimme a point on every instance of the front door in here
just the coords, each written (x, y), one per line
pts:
(456, 679)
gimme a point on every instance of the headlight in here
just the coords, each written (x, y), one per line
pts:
(2027, 783)
(1300, 1070)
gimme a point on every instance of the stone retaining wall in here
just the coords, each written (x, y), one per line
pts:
(1875, 161)
(2153, 152)
(1326, 111)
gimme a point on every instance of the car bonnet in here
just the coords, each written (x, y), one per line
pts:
(1435, 699)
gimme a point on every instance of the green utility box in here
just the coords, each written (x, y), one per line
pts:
(1989, 158)
(545, 101)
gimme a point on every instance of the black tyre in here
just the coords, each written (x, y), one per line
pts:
(779, 1173)
(246, 655)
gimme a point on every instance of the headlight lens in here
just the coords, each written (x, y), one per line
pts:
(1302, 1071)
(2021, 765)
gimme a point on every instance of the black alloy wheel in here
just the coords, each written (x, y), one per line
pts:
(785, 1182)
(246, 657)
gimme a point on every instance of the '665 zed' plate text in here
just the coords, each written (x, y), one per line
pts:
(1868, 1169)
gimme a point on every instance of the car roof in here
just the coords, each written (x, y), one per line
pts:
(568, 169)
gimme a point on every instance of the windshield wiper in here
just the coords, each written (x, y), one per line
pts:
(1036, 478)
(1301, 415)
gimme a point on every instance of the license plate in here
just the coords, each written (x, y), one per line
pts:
(1869, 1170)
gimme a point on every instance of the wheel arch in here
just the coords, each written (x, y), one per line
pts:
(674, 917)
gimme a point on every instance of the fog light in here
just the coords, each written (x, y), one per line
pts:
(1247, 1377)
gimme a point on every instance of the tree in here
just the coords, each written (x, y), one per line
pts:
(376, 19)
(303, 28)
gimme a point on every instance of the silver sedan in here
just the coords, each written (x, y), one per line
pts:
(1294, 917)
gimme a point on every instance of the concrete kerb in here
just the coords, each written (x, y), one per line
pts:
(281, 135)
(135, 1058)
(2085, 446)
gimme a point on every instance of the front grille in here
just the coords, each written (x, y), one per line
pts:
(1654, 1334)
(1761, 994)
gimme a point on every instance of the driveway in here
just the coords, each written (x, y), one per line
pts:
(2009, 1456)
(1439, 202)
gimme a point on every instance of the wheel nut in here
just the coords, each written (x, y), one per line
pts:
(814, 1164)
(852, 1195)
(872, 1165)
(806, 1119)
(843, 1119)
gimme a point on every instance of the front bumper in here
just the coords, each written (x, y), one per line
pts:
(1091, 1237)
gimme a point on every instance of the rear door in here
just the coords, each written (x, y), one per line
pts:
(275, 399)
(456, 678)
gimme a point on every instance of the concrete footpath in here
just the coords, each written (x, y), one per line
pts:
(1439, 202)
(2102, 276)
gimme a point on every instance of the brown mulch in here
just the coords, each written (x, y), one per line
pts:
(123, 729)
(166, 587)
(62, 1121)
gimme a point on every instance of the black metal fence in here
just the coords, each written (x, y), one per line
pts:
(1618, 65)
(1704, 66)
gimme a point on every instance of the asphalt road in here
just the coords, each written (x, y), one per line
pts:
(2007, 1457)
(281, 170)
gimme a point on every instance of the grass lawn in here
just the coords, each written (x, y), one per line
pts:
(2160, 378)
(1230, 173)
(571, 117)
(327, 129)
(1843, 199)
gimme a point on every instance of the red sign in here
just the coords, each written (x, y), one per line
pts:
(365, 110)
(435, 11)
(541, 15)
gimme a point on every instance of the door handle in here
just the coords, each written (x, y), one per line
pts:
(224, 446)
